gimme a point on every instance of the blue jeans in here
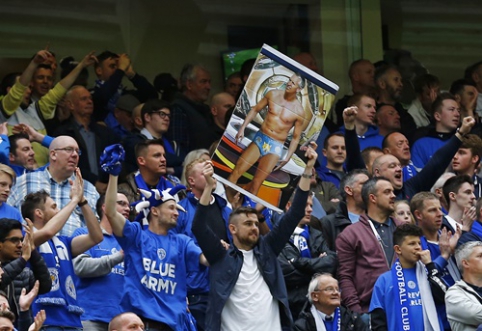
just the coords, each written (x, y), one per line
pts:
(198, 304)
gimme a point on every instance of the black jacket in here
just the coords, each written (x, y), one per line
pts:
(104, 137)
(17, 276)
(334, 224)
(298, 271)
(350, 321)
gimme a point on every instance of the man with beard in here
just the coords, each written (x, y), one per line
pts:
(365, 249)
(390, 167)
(247, 284)
(388, 81)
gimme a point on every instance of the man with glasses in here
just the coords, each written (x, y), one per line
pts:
(100, 272)
(156, 118)
(324, 311)
(15, 252)
(89, 135)
(55, 180)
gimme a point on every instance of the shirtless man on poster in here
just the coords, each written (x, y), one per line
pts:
(284, 112)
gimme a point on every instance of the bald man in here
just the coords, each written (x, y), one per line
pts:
(89, 135)
(126, 322)
(64, 155)
(220, 104)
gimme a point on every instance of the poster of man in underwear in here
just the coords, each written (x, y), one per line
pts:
(281, 110)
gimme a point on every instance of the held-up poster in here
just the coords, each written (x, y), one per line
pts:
(282, 108)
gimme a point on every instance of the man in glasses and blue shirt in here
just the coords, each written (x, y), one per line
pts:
(55, 180)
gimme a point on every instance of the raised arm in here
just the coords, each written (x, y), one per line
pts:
(354, 159)
(116, 220)
(57, 222)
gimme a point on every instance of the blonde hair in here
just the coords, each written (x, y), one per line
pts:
(9, 171)
(191, 156)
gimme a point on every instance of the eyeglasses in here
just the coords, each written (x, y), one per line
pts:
(69, 150)
(330, 290)
(161, 114)
(14, 240)
(123, 203)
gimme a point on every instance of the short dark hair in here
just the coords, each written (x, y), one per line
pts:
(241, 210)
(405, 230)
(13, 139)
(98, 205)
(33, 201)
(459, 85)
(153, 105)
(453, 185)
(8, 315)
(382, 70)
(104, 56)
(425, 80)
(7, 225)
(365, 154)
(44, 66)
(8, 81)
(246, 67)
(349, 180)
(142, 146)
(370, 187)
(437, 104)
(328, 137)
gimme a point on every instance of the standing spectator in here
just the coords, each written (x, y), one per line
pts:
(7, 178)
(190, 114)
(427, 88)
(467, 159)
(234, 84)
(459, 194)
(220, 104)
(387, 119)
(335, 153)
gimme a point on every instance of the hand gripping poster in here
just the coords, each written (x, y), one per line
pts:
(283, 107)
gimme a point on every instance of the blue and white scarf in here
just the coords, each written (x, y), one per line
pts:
(320, 324)
(300, 238)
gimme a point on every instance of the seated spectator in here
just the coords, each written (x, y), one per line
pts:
(156, 119)
(446, 114)
(464, 308)
(361, 74)
(334, 151)
(60, 304)
(190, 114)
(405, 296)
(234, 84)
(110, 70)
(7, 178)
(90, 136)
(349, 209)
(324, 311)
(366, 130)
(100, 272)
(388, 82)
(467, 159)
(387, 119)
(18, 279)
(64, 156)
(305, 255)
(365, 249)
(427, 88)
